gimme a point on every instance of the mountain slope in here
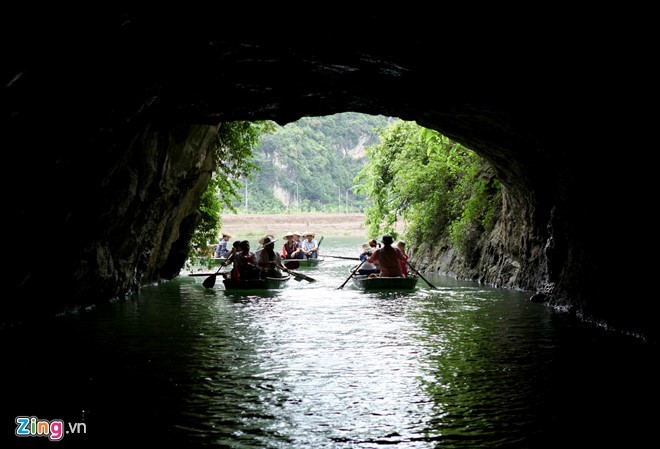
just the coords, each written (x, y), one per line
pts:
(309, 165)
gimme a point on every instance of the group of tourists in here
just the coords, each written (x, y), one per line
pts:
(294, 248)
(262, 263)
(384, 260)
(265, 261)
(377, 259)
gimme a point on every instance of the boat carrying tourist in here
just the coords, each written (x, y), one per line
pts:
(375, 282)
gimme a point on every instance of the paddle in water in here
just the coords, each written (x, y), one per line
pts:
(420, 275)
(299, 276)
(209, 282)
(293, 264)
(352, 274)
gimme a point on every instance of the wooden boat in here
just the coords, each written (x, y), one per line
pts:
(256, 284)
(205, 261)
(305, 263)
(384, 283)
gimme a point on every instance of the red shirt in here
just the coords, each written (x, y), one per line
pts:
(389, 261)
(404, 264)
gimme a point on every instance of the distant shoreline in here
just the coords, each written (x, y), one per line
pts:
(279, 224)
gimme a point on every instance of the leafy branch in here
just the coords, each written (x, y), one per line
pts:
(438, 186)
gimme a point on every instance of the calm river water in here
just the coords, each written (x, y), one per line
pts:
(311, 366)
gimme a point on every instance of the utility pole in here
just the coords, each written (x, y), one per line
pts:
(246, 194)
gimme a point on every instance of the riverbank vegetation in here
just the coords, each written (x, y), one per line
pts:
(390, 169)
(443, 191)
(234, 145)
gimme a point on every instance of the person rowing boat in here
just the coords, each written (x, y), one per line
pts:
(270, 261)
(244, 263)
(388, 259)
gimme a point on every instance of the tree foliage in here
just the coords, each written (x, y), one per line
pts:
(233, 149)
(309, 165)
(438, 186)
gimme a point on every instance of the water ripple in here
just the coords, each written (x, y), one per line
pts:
(314, 366)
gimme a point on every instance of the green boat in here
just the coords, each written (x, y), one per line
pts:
(256, 284)
(364, 282)
(205, 261)
(304, 263)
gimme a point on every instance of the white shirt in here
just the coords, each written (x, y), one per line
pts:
(307, 245)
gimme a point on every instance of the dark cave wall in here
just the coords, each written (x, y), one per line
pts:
(114, 212)
(568, 196)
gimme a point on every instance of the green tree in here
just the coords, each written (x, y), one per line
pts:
(438, 186)
(233, 149)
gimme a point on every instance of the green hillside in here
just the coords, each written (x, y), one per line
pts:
(309, 165)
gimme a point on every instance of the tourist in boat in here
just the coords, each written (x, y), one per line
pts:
(388, 258)
(261, 244)
(296, 238)
(270, 261)
(235, 248)
(221, 250)
(290, 249)
(309, 247)
(367, 267)
(404, 265)
(374, 244)
(245, 263)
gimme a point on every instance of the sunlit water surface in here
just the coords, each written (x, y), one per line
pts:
(312, 366)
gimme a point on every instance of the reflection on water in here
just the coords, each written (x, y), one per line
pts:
(312, 366)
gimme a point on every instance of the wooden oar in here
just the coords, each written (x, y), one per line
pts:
(352, 274)
(293, 264)
(420, 275)
(209, 282)
(341, 257)
(299, 276)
